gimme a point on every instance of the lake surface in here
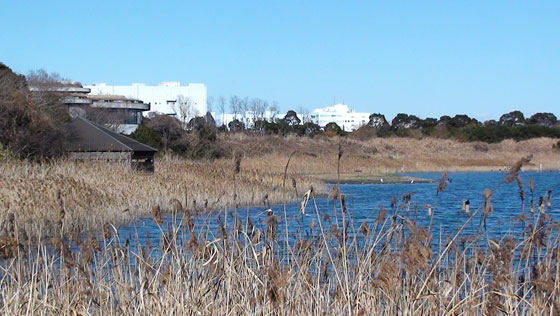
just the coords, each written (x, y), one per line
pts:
(363, 202)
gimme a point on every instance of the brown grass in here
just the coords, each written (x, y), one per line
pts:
(66, 196)
(392, 155)
(332, 267)
(388, 268)
(69, 196)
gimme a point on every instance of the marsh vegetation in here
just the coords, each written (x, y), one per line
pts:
(331, 265)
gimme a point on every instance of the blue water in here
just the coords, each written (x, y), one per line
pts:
(363, 202)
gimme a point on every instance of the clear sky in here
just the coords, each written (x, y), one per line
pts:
(481, 58)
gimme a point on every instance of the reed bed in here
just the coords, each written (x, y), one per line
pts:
(392, 155)
(65, 196)
(334, 266)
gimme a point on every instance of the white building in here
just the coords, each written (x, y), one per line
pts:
(166, 98)
(247, 118)
(340, 114)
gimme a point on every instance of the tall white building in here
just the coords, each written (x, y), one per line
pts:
(165, 98)
(340, 114)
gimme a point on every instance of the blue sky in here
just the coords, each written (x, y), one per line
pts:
(481, 58)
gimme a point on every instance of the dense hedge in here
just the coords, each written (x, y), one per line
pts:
(494, 133)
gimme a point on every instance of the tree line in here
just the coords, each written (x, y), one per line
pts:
(32, 125)
(512, 125)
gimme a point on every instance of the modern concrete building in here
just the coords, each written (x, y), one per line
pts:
(122, 114)
(117, 112)
(169, 98)
(340, 114)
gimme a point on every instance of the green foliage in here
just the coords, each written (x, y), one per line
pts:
(166, 133)
(493, 133)
(404, 121)
(271, 128)
(444, 120)
(148, 136)
(428, 122)
(291, 118)
(311, 129)
(207, 133)
(332, 129)
(543, 119)
(513, 118)
(236, 125)
(196, 123)
(460, 121)
(377, 120)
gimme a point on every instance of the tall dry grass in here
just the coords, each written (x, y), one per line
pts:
(67, 196)
(392, 155)
(333, 266)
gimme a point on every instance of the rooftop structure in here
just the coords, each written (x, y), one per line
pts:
(170, 98)
(340, 114)
(92, 141)
(118, 112)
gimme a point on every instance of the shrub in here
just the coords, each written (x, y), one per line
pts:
(148, 136)
(377, 120)
(494, 133)
(543, 119)
(428, 122)
(444, 120)
(169, 129)
(25, 128)
(236, 125)
(311, 129)
(271, 128)
(403, 121)
(440, 131)
(291, 118)
(365, 132)
(332, 129)
(460, 121)
(514, 118)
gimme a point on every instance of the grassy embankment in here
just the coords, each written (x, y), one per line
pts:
(369, 160)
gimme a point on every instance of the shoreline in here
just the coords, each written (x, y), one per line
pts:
(358, 178)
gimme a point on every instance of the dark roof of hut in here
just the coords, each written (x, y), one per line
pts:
(86, 136)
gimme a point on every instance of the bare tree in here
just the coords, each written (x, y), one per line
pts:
(48, 90)
(221, 107)
(245, 109)
(273, 110)
(257, 109)
(209, 104)
(44, 80)
(235, 105)
(185, 109)
(304, 113)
